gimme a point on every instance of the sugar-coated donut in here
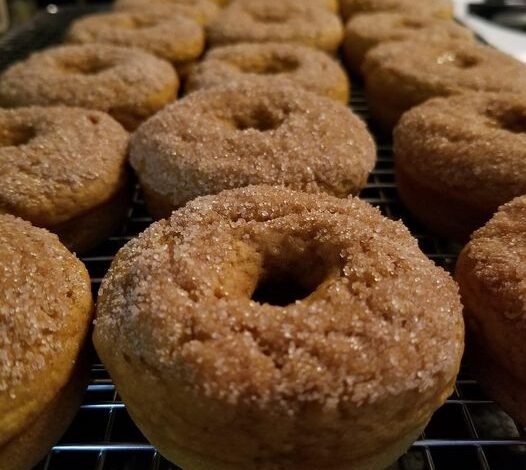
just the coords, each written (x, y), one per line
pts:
(309, 68)
(342, 370)
(129, 84)
(458, 159)
(491, 271)
(437, 8)
(283, 21)
(249, 133)
(367, 30)
(175, 38)
(202, 11)
(45, 315)
(401, 75)
(64, 169)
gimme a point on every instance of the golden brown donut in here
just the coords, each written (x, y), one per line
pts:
(201, 11)
(45, 314)
(437, 8)
(491, 272)
(365, 31)
(266, 328)
(249, 133)
(401, 75)
(309, 68)
(458, 159)
(177, 39)
(285, 21)
(64, 169)
(129, 84)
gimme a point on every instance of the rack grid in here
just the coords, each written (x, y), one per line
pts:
(469, 432)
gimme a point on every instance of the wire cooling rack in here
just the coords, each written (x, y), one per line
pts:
(468, 433)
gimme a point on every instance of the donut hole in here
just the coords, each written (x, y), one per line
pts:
(269, 16)
(259, 118)
(511, 119)
(272, 66)
(85, 67)
(140, 22)
(290, 275)
(410, 23)
(461, 61)
(16, 135)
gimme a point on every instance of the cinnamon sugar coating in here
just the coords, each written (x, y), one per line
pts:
(45, 313)
(243, 381)
(175, 38)
(304, 66)
(285, 21)
(248, 133)
(437, 8)
(56, 163)
(367, 30)
(201, 11)
(127, 83)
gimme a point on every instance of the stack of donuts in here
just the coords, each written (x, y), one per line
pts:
(270, 319)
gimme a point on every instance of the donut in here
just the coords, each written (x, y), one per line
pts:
(365, 31)
(201, 11)
(309, 68)
(464, 156)
(249, 133)
(64, 169)
(45, 315)
(267, 328)
(175, 38)
(129, 84)
(287, 21)
(437, 8)
(401, 75)
(492, 277)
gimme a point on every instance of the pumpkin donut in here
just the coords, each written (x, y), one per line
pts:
(286, 21)
(492, 277)
(462, 156)
(64, 169)
(309, 68)
(46, 311)
(249, 133)
(129, 84)
(401, 75)
(437, 8)
(366, 31)
(201, 11)
(266, 328)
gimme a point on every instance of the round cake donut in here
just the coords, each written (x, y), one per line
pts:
(201, 11)
(491, 271)
(462, 156)
(129, 84)
(366, 31)
(249, 133)
(437, 8)
(45, 316)
(401, 75)
(309, 68)
(177, 39)
(286, 21)
(267, 328)
(65, 169)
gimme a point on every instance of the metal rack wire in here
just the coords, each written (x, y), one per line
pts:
(469, 432)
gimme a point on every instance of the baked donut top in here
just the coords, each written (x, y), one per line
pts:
(58, 162)
(379, 27)
(202, 11)
(497, 253)
(375, 318)
(310, 68)
(249, 133)
(95, 76)
(446, 67)
(437, 8)
(474, 143)
(45, 304)
(173, 37)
